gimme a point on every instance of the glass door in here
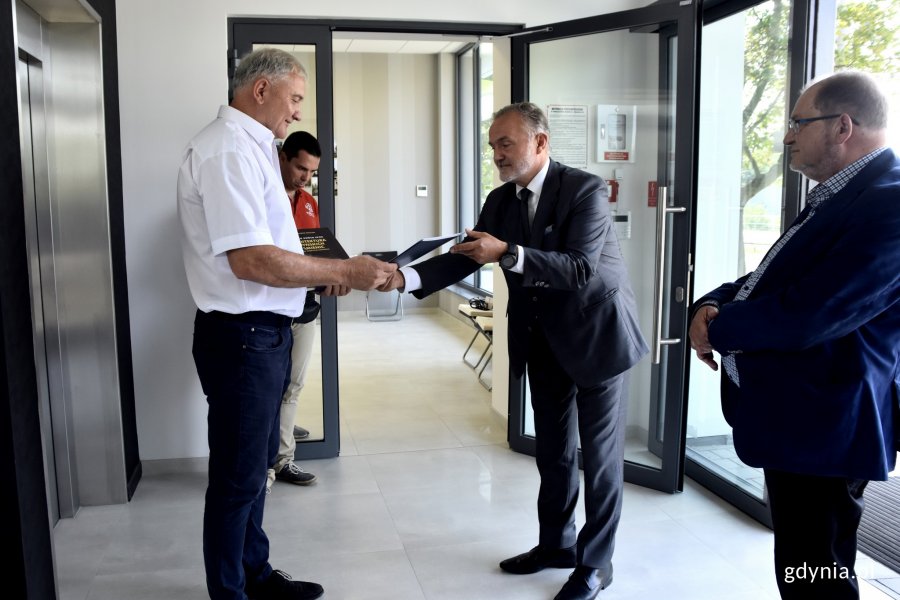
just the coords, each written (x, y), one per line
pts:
(615, 87)
(317, 410)
(742, 205)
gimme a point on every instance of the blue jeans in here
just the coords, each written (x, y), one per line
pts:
(243, 368)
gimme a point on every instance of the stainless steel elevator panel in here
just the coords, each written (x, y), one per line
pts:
(37, 202)
(67, 224)
(84, 262)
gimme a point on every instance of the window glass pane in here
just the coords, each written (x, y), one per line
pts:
(606, 121)
(485, 275)
(740, 192)
(466, 114)
(486, 57)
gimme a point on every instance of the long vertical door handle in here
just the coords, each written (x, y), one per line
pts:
(662, 212)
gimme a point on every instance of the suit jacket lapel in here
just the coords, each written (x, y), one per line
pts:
(546, 205)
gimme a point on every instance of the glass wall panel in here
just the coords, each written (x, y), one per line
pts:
(310, 407)
(743, 108)
(605, 118)
(467, 116)
(486, 173)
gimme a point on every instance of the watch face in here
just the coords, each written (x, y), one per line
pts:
(508, 261)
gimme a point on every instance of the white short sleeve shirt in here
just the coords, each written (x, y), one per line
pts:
(230, 195)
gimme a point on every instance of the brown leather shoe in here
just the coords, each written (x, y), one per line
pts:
(538, 559)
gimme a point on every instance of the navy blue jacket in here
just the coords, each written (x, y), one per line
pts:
(574, 285)
(818, 339)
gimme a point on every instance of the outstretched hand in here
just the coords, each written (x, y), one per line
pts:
(366, 273)
(395, 282)
(335, 290)
(481, 247)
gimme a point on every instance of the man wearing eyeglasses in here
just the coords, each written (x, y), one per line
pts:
(810, 340)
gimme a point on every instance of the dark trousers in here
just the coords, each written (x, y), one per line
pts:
(815, 521)
(562, 412)
(243, 369)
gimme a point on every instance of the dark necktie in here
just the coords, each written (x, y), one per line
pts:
(524, 195)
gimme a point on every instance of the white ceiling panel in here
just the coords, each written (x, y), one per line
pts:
(397, 43)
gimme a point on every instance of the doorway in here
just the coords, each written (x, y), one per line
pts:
(666, 35)
(371, 90)
(629, 118)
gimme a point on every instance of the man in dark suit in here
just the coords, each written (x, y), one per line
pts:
(810, 340)
(572, 321)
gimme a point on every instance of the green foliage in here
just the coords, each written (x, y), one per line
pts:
(866, 36)
(765, 77)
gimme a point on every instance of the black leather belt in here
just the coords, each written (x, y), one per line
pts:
(256, 317)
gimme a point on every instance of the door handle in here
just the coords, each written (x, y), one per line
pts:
(662, 212)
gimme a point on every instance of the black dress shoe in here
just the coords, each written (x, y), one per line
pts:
(539, 558)
(585, 583)
(280, 586)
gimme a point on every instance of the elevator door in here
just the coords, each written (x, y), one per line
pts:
(36, 196)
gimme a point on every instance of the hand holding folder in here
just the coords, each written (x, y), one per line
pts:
(421, 248)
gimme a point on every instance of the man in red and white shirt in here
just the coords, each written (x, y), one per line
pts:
(299, 158)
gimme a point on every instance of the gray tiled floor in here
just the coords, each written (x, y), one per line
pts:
(717, 454)
(424, 501)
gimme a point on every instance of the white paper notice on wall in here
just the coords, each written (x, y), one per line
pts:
(568, 134)
(616, 132)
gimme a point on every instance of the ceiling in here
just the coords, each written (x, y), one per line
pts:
(394, 43)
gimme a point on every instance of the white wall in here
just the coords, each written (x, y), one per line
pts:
(385, 126)
(172, 78)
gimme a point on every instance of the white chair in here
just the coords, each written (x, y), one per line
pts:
(394, 310)
(486, 324)
(472, 314)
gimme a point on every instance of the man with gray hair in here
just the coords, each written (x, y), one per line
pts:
(810, 340)
(248, 278)
(572, 324)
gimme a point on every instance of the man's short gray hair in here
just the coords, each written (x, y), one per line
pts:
(271, 63)
(534, 118)
(855, 93)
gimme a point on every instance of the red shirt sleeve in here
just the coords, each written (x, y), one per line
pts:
(306, 210)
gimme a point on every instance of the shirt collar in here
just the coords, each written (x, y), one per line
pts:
(261, 134)
(839, 180)
(537, 182)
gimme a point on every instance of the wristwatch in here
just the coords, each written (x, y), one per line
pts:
(509, 258)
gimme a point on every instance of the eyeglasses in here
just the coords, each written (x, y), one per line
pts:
(794, 125)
